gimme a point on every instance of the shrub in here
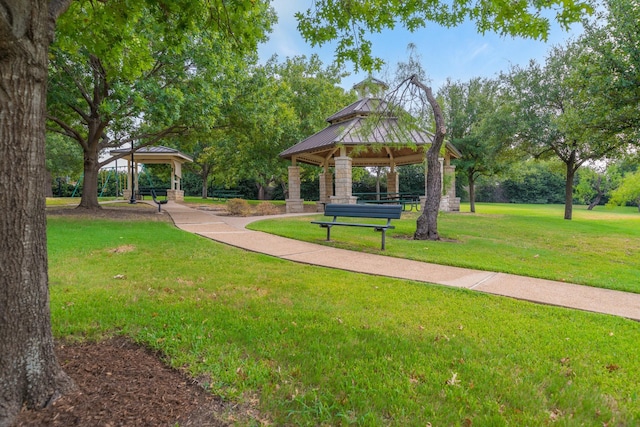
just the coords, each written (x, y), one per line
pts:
(238, 207)
(266, 208)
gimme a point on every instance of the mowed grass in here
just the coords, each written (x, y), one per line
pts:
(598, 248)
(312, 346)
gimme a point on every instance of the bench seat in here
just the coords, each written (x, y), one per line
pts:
(387, 212)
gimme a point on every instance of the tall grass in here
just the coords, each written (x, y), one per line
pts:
(598, 248)
(315, 346)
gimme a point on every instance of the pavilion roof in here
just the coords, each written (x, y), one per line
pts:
(155, 154)
(368, 143)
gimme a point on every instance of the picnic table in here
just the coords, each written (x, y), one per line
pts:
(226, 195)
(409, 201)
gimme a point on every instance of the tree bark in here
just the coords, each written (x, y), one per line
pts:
(568, 190)
(598, 197)
(427, 223)
(205, 179)
(472, 192)
(89, 198)
(29, 372)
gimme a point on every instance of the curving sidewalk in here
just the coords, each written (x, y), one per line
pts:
(232, 231)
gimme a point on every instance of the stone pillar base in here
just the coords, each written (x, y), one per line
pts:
(447, 204)
(175, 195)
(454, 204)
(126, 194)
(295, 205)
(349, 200)
(450, 204)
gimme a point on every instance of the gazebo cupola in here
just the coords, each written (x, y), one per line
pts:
(350, 140)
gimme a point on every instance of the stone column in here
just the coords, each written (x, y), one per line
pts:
(126, 193)
(393, 182)
(326, 189)
(343, 182)
(175, 195)
(294, 203)
(450, 174)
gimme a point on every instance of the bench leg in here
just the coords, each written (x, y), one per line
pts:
(328, 233)
(384, 233)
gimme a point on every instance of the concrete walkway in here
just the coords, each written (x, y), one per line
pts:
(232, 231)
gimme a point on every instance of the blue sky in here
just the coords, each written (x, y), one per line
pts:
(459, 53)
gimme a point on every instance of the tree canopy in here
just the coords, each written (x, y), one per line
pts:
(608, 70)
(126, 72)
(351, 22)
(477, 126)
(277, 105)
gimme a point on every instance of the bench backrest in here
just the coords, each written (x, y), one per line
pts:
(364, 211)
(146, 191)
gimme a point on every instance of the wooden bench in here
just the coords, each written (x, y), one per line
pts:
(387, 212)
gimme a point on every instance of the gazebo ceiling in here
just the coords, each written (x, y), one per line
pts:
(377, 142)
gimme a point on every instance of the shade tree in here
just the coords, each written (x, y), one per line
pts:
(30, 375)
(134, 73)
(350, 23)
(477, 126)
(608, 70)
(277, 105)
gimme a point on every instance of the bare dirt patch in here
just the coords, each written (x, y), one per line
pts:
(116, 211)
(255, 210)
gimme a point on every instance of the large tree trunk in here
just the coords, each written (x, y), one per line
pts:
(427, 223)
(205, 179)
(472, 192)
(90, 181)
(568, 190)
(29, 371)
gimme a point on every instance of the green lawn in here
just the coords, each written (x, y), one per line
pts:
(598, 248)
(314, 346)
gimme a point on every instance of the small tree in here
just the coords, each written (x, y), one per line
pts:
(477, 127)
(594, 185)
(628, 192)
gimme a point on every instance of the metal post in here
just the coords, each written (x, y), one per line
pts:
(132, 200)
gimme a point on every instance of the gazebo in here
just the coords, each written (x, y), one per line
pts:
(350, 140)
(156, 155)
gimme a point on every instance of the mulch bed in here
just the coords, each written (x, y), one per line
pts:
(119, 383)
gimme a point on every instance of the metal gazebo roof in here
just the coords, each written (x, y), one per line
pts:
(380, 143)
(155, 154)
